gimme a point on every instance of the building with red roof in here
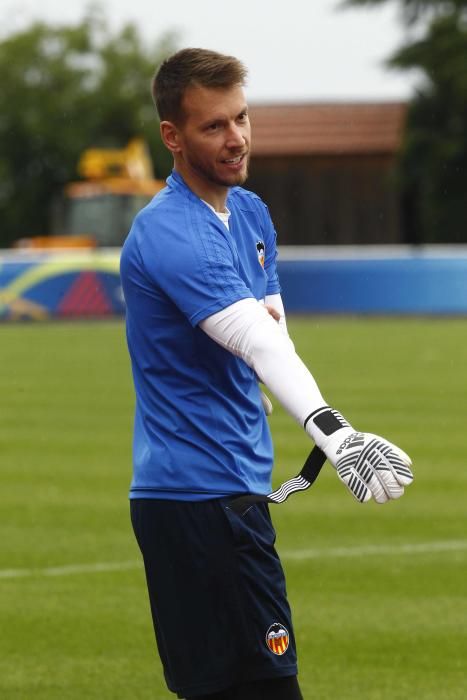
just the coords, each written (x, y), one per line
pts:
(327, 170)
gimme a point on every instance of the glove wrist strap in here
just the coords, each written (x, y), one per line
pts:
(301, 482)
(324, 422)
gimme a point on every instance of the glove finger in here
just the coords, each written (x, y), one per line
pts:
(379, 491)
(401, 463)
(355, 484)
(374, 469)
(390, 463)
(385, 482)
(380, 481)
(403, 455)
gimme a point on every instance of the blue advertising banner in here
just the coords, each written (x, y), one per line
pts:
(376, 280)
(60, 285)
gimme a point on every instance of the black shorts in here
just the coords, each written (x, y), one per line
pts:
(217, 593)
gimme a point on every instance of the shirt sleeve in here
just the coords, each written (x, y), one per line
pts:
(270, 242)
(190, 258)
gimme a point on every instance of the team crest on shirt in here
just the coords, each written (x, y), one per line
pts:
(260, 250)
(277, 639)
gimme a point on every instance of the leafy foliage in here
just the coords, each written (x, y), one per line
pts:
(415, 10)
(433, 159)
(65, 88)
(433, 163)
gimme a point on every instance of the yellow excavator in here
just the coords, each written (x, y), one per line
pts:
(99, 208)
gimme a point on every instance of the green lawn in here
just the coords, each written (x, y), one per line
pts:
(378, 592)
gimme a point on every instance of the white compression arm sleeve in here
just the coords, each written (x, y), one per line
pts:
(248, 331)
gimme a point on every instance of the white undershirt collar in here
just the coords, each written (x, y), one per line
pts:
(222, 215)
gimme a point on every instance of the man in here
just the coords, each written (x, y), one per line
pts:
(203, 298)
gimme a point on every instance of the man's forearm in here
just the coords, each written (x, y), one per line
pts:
(248, 331)
(370, 466)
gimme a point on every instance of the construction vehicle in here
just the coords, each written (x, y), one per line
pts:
(97, 211)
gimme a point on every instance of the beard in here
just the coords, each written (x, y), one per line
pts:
(211, 174)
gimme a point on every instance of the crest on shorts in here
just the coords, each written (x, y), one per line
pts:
(260, 250)
(277, 639)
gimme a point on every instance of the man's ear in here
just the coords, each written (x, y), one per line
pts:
(170, 136)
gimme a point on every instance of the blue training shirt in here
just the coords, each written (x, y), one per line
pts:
(200, 430)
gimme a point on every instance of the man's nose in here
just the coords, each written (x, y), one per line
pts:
(235, 136)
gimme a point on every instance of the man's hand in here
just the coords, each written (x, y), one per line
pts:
(369, 465)
(273, 312)
(267, 405)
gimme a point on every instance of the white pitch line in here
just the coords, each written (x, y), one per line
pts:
(71, 569)
(297, 555)
(375, 549)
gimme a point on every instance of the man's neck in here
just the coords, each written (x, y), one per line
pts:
(215, 195)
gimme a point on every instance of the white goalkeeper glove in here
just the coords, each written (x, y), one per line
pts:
(369, 465)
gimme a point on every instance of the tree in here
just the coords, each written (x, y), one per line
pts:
(65, 88)
(432, 169)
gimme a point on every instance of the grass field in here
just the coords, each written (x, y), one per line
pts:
(379, 593)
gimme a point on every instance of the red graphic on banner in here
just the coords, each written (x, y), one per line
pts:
(85, 297)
